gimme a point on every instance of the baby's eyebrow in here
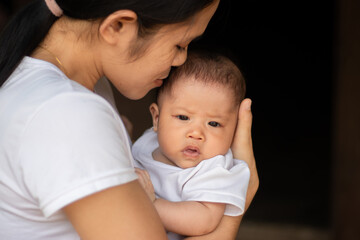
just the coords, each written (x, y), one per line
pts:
(184, 110)
(218, 118)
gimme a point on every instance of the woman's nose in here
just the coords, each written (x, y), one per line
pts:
(180, 58)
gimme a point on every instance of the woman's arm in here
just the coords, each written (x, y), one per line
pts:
(242, 149)
(121, 212)
(189, 218)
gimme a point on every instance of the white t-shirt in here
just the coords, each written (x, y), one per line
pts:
(220, 179)
(59, 142)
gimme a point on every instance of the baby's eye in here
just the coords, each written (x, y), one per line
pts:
(182, 117)
(214, 124)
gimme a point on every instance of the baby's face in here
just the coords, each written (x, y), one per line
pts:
(194, 122)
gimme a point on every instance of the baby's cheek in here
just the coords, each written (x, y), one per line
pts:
(218, 148)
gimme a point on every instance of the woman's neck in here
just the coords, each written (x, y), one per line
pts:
(67, 47)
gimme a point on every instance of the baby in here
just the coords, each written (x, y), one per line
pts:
(187, 155)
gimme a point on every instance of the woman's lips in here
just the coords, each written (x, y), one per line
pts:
(159, 82)
(191, 151)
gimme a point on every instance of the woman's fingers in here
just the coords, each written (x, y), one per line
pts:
(242, 148)
(140, 177)
(145, 182)
(143, 176)
(242, 143)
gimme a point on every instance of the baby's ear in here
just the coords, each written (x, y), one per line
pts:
(154, 110)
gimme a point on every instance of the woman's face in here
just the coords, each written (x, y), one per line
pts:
(135, 76)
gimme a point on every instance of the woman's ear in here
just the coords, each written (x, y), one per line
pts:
(120, 24)
(154, 110)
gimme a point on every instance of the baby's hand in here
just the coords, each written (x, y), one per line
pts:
(145, 182)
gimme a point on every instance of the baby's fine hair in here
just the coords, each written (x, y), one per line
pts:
(208, 67)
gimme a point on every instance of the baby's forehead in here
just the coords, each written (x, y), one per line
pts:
(198, 81)
(173, 91)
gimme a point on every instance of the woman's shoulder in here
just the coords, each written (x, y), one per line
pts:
(37, 84)
(39, 93)
(38, 79)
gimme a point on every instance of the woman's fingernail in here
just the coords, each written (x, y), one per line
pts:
(248, 107)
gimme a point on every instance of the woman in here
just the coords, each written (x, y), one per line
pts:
(66, 164)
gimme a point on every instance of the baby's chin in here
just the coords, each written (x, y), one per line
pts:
(189, 162)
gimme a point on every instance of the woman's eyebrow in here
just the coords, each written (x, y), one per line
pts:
(197, 38)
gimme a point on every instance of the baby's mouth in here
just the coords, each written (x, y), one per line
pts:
(191, 151)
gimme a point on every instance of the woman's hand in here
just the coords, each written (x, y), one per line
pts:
(145, 182)
(242, 149)
(242, 142)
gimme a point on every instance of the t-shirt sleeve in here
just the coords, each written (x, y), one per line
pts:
(73, 146)
(212, 182)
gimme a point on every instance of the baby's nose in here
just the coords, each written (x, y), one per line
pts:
(196, 135)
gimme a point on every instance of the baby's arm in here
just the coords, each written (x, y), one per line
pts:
(189, 218)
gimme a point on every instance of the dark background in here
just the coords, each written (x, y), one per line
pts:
(285, 50)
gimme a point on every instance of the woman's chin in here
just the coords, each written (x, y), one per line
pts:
(135, 95)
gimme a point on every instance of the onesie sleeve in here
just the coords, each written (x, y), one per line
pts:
(216, 180)
(74, 145)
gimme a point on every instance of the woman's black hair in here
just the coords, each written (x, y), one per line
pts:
(29, 27)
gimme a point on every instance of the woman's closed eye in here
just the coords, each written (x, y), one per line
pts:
(180, 48)
(214, 124)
